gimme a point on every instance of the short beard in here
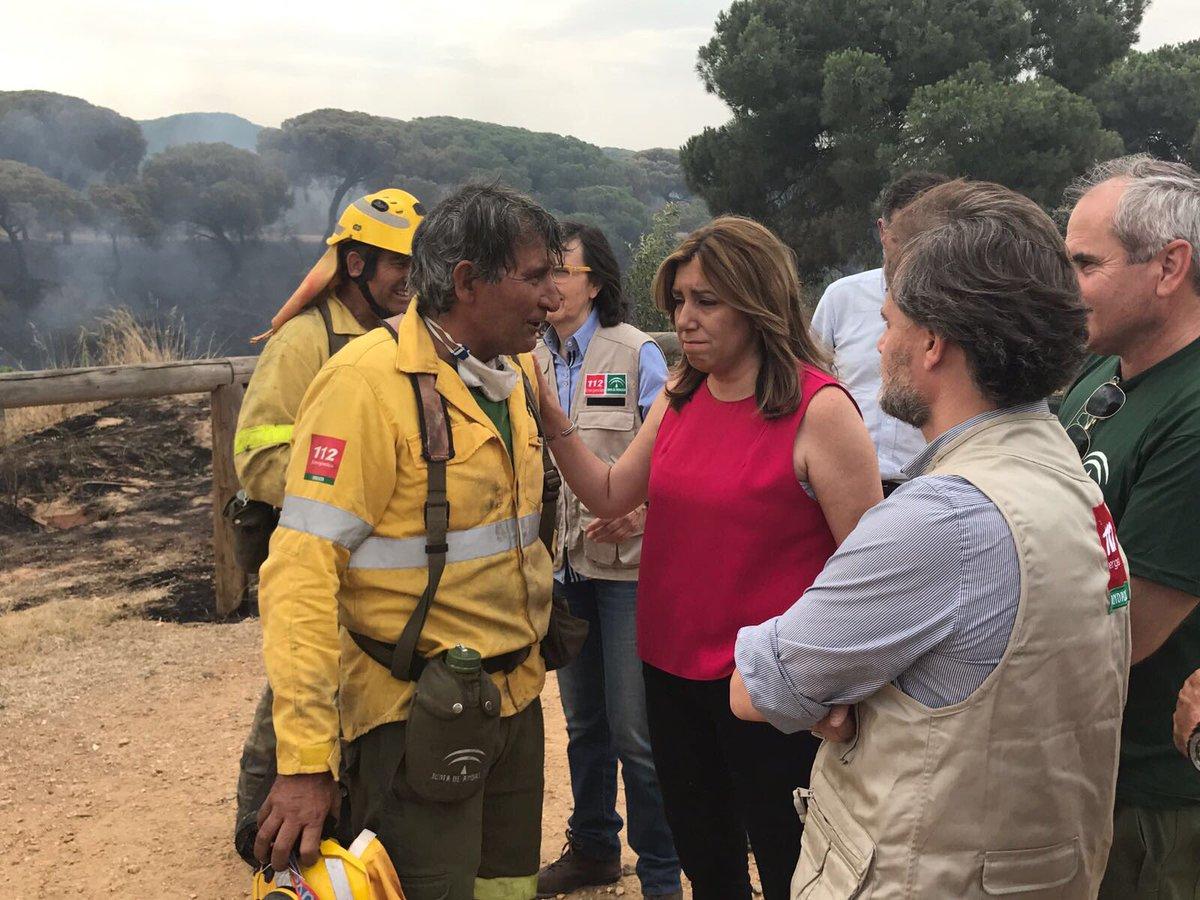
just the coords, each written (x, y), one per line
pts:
(901, 400)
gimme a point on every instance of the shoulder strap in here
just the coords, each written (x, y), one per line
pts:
(437, 447)
(336, 341)
(551, 479)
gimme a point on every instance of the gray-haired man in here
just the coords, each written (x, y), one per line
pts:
(355, 553)
(1134, 414)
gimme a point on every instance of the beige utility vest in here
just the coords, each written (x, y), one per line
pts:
(1011, 790)
(605, 407)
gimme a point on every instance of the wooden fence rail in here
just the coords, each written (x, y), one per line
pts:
(223, 379)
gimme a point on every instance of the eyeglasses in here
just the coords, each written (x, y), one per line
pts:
(562, 273)
(1104, 403)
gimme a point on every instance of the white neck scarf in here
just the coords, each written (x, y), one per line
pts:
(496, 379)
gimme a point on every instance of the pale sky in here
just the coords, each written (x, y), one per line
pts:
(616, 73)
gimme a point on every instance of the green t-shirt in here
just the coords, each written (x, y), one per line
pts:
(1146, 459)
(497, 411)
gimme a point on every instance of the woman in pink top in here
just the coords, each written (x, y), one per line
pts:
(754, 474)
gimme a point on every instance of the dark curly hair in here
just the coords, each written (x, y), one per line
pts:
(905, 189)
(610, 302)
(484, 224)
(986, 268)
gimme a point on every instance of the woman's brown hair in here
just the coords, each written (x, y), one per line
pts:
(754, 272)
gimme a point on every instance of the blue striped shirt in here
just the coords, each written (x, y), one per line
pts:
(922, 594)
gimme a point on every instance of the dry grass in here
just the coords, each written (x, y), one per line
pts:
(117, 339)
(42, 629)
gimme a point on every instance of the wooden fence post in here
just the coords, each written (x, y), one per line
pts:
(225, 378)
(229, 581)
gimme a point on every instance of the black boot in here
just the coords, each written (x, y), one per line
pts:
(573, 871)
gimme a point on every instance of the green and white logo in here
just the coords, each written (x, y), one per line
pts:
(615, 385)
(1118, 597)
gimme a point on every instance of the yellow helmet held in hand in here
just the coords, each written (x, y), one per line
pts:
(387, 219)
(362, 872)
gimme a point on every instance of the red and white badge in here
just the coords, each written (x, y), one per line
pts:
(1118, 577)
(595, 384)
(324, 458)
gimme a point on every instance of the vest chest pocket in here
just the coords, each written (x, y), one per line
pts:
(835, 852)
(471, 476)
(604, 430)
(465, 438)
(607, 432)
(1023, 871)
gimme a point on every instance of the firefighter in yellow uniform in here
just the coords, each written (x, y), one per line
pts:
(361, 279)
(353, 550)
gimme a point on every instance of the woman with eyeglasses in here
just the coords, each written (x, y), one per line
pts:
(605, 374)
(756, 464)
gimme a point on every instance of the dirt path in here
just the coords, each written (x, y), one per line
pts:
(122, 732)
(117, 771)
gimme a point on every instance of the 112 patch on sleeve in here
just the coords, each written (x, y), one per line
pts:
(324, 458)
(1118, 577)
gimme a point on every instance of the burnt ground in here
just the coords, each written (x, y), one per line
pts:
(123, 495)
(122, 734)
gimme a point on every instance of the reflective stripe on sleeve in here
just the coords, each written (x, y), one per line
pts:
(336, 870)
(261, 436)
(324, 520)
(361, 843)
(473, 543)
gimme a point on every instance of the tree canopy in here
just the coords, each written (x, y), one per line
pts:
(970, 123)
(218, 191)
(615, 190)
(28, 197)
(68, 138)
(1153, 101)
(831, 98)
(350, 148)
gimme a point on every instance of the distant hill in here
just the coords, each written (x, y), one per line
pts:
(187, 128)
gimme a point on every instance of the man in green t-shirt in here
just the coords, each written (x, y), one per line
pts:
(1134, 414)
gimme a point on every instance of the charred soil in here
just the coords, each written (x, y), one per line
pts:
(123, 701)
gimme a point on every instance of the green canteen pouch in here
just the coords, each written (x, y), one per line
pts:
(452, 733)
(252, 523)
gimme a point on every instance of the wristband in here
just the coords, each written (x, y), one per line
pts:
(569, 430)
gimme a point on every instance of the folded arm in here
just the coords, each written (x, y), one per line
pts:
(890, 594)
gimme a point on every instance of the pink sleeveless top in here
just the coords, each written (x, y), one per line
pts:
(732, 538)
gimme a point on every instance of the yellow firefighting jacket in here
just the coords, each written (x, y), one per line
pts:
(350, 546)
(286, 368)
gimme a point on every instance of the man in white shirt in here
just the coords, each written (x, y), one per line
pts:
(848, 320)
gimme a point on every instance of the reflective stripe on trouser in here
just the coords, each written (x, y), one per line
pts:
(261, 436)
(334, 524)
(521, 888)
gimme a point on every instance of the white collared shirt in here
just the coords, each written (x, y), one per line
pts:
(848, 320)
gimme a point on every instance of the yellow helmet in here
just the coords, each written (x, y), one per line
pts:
(362, 872)
(387, 219)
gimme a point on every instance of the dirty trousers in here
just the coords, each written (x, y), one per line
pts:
(487, 847)
(257, 771)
